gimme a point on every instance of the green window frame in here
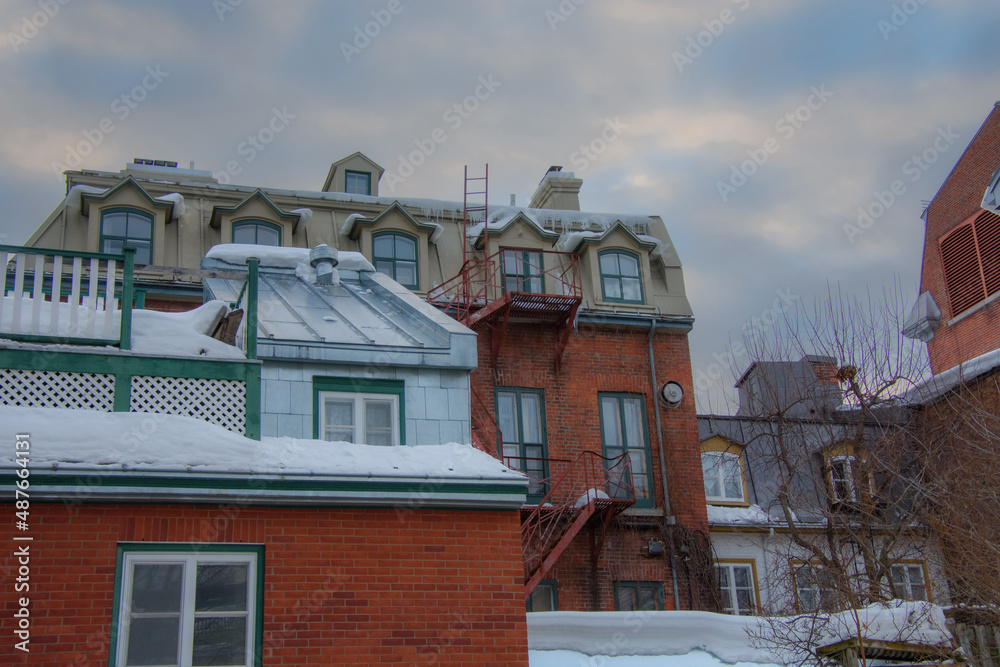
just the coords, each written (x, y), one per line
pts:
(624, 429)
(523, 271)
(256, 232)
(520, 416)
(639, 596)
(174, 597)
(545, 597)
(395, 254)
(357, 182)
(127, 227)
(621, 277)
(367, 397)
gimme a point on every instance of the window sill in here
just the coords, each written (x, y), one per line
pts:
(974, 309)
(624, 306)
(727, 503)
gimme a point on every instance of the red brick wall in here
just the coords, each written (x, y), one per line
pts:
(600, 359)
(958, 199)
(341, 586)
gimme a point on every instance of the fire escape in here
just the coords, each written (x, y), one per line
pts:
(491, 290)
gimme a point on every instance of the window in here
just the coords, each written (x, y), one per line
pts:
(814, 589)
(522, 271)
(723, 473)
(842, 479)
(739, 592)
(122, 227)
(188, 604)
(358, 410)
(908, 581)
(545, 597)
(256, 232)
(623, 429)
(395, 255)
(639, 596)
(521, 418)
(357, 182)
(621, 279)
(970, 255)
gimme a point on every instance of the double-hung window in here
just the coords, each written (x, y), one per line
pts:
(623, 430)
(723, 474)
(357, 182)
(814, 589)
(125, 227)
(395, 255)
(256, 232)
(639, 596)
(621, 276)
(188, 605)
(368, 412)
(522, 271)
(908, 582)
(736, 583)
(521, 418)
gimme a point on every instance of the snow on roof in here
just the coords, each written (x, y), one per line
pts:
(942, 383)
(280, 257)
(737, 516)
(697, 638)
(177, 200)
(88, 440)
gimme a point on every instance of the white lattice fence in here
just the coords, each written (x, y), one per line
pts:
(57, 389)
(219, 402)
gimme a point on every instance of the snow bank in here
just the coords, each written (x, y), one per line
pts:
(574, 659)
(896, 621)
(90, 440)
(591, 494)
(279, 257)
(752, 515)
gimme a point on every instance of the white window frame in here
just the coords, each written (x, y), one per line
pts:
(190, 560)
(721, 456)
(908, 584)
(360, 428)
(814, 586)
(848, 479)
(729, 592)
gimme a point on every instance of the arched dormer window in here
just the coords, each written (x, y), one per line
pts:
(395, 255)
(621, 276)
(256, 232)
(127, 227)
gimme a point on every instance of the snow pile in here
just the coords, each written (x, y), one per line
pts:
(896, 621)
(661, 246)
(177, 200)
(278, 257)
(182, 334)
(305, 215)
(570, 241)
(723, 515)
(90, 440)
(944, 382)
(345, 229)
(74, 198)
(591, 494)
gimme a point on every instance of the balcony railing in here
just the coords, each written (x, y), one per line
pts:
(68, 297)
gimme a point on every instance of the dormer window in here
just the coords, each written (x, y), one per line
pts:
(621, 278)
(395, 255)
(357, 182)
(256, 232)
(523, 271)
(723, 473)
(125, 227)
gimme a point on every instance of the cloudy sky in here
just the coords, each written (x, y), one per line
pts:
(755, 128)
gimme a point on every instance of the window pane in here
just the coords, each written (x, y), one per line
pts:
(153, 641)
(221, 587)
(531, 418)
(609, 422)
(339, 420)
(628, 265)
(507, 416)
(633, 423)
(385, 266)
(141, 251)
(741, 576)
(612, 288)
(113, 246)
(156, 587)
(378, 422)
(406, 248)
(268, 236)
(543, 598)
(626, 598)
(220, 641)
(139, 226)
(722, 572)
(406, 273)
(113, 224)
(244, 234)
(647, 598)
(733, 477)
(631, 289)
(710, 472)
(609, 264)
(744, 601)
(382, 246)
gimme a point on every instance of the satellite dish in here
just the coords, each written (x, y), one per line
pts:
(672, 393)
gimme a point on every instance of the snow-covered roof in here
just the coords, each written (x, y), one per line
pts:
(165, 449)
(235, 255)
(752, 515)
(942, 383)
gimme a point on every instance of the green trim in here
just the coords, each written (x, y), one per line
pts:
(360, 386)
(253, 285)
(526, 275)
(252, 425)
(85, 362)
(354, 172)
(179, 547)
(87, 197)
(637, 587)
(518, 392)
(394, 259)
(126, 238)
(125, 337)
(258, 193)
(619, 397)
(255, 223)
(553, 586)
(620, 276)
(29, 338)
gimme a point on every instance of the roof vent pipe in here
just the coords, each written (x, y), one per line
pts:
(323, 258)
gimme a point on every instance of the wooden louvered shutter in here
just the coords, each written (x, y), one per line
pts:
(988, 240)
(962, 272)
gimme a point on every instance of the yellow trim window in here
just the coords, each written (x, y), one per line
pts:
(738, 588)
(723, 473)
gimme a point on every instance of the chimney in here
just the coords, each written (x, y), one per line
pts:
(323, 258)
(558, 189)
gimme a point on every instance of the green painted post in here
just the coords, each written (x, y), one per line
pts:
(123, 392)
(251, 313)
(253, 402)
(125, 337)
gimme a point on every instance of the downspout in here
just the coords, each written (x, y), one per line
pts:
(668, 515)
